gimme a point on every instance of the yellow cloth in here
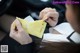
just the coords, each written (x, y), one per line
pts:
(35, 28)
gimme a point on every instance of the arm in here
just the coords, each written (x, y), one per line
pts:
(28, 48)
(25, 41)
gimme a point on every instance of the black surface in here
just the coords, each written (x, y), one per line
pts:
(4, 5)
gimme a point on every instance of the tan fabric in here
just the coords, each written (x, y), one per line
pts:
(5, 22)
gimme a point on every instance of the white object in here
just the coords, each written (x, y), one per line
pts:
(55, 37)
(75, 37)
(64, 28)
(29, 19)
(0, 0)
(44, 0)
(4, 48)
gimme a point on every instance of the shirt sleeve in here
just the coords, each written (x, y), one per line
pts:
(29, 48)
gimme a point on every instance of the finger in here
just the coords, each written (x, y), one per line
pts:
(45, 11)
(40, 15)
(51, 22)
(45, 17)
(50, 9)
(12, 29)
(53, 15)
(18, 25)
(51, 18)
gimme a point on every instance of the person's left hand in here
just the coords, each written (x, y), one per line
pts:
(18, 34)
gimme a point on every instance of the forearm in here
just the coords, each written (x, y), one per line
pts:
(29, 48)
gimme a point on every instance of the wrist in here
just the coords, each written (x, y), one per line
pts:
(26, 42)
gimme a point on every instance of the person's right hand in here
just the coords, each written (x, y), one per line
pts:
(18, 34)
(50, 16)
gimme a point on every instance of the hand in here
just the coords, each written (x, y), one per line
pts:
(50, 16)
(18, 34)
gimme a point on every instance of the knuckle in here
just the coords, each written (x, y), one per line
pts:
(49, 13)
(17, 23)
(21, 31)
(11, 35)
(40, 12)
(12, 24)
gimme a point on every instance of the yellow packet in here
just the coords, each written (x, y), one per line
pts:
(35, 28)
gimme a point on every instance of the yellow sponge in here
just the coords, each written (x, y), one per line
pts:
(35, 28)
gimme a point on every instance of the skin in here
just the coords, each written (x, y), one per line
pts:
(17, 33)
(22, 37)
(72, 18)
(50, 16)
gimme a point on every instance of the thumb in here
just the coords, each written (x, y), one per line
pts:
(18, 25)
